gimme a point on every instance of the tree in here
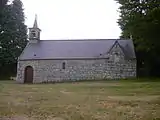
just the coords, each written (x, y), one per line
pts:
(13, 37)
(3, 4)
(3, 18)
(19, 34)
(141, 19)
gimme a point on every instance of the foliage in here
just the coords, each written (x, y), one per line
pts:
(13, 34)
(141, 20)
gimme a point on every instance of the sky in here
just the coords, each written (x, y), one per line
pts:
(74, 19)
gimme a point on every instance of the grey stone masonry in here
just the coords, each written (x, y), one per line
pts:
(112, 65)
(51, 70)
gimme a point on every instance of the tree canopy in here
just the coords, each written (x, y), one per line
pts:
(141, 20)
(13, 34)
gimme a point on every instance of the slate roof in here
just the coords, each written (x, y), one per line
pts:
(73, 49)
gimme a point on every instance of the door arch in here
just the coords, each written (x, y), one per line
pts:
(28, 75)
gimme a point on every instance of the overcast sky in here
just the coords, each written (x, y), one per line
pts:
(74, 19)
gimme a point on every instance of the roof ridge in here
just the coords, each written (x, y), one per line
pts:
(83, 39)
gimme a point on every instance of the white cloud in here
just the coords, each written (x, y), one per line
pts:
(74, 19)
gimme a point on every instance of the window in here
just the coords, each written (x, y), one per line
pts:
(116, 53)
(33, 34)
(64, 65)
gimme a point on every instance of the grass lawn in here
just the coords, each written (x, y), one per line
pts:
(106, 100)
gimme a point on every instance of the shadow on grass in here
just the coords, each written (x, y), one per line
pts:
(106, 81)
(148, 79)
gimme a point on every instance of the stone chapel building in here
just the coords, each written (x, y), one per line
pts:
(73, 60)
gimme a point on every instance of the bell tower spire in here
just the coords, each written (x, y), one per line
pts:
(35, 25)
(34, 32)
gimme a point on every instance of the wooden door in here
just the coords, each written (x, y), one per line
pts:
(28, 75)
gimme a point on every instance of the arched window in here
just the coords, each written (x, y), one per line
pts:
(63, 65)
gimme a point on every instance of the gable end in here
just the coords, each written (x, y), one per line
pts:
(119, 50)
(116, 48)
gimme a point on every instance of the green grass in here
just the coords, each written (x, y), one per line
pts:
(105, 100)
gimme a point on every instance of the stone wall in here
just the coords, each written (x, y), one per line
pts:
(52, 70)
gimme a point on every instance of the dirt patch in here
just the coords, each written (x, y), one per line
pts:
(107, 104)
(136, 98)
(56, 118)
(65, 92)
(15, 118)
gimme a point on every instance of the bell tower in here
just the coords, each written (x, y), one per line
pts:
(34, 32)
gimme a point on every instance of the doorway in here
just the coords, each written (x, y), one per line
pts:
(28, 77)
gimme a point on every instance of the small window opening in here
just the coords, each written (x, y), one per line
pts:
(33, 34)
(64, 65)
(116, 53)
